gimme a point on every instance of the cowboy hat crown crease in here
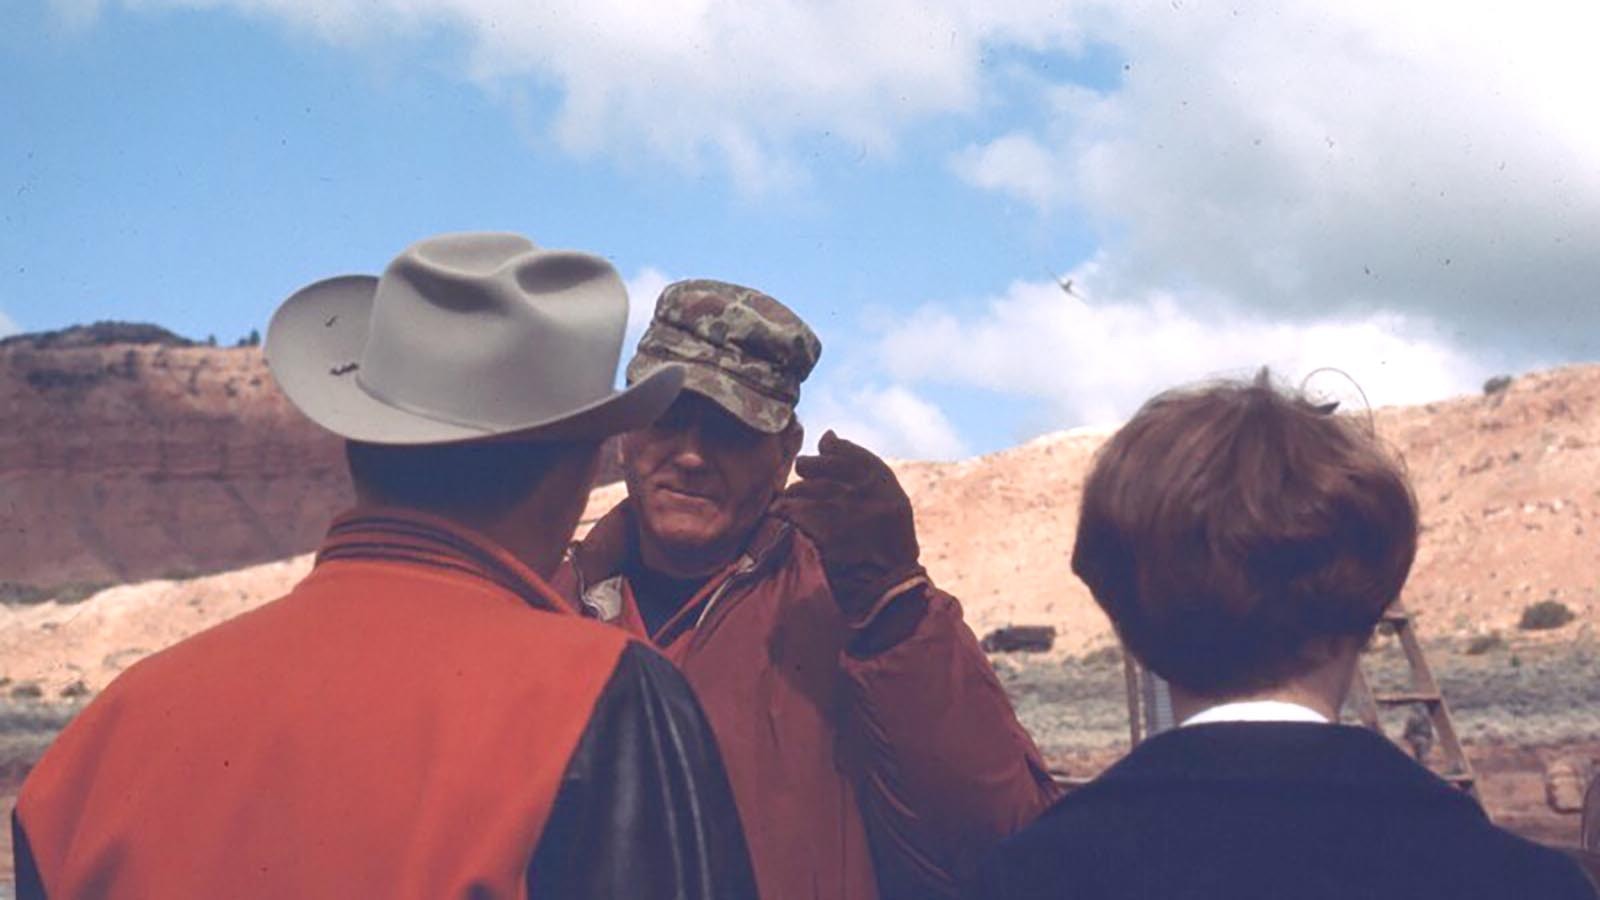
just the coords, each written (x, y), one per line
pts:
(429, 315)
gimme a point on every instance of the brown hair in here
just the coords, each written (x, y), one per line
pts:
(1227, 529)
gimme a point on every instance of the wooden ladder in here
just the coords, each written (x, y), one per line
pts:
(1421, 690)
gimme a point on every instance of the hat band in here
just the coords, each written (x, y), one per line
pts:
(416, 410)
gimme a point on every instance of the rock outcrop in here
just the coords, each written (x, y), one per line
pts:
(131, 453)
(1508, 485)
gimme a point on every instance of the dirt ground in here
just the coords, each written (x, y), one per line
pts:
(1522, 708)
(26, 729)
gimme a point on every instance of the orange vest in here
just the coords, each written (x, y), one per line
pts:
(396, 726)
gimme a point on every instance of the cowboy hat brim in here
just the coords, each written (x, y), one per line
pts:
(314, 346)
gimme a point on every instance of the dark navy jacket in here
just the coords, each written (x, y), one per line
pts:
(1245, 810)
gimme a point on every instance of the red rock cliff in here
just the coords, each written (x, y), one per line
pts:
(128, 452)
(122, 460)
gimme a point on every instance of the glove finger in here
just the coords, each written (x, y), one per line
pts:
(833, 445)
(827, 467)
(813, 490)
(866, 465)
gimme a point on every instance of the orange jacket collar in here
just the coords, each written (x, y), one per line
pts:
(393, 534)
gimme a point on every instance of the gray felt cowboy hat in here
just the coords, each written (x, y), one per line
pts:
(465, 337)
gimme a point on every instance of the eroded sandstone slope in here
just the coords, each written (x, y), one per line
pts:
(129, 453)
(1509, 487)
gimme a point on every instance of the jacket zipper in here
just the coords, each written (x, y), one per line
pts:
(748, 567)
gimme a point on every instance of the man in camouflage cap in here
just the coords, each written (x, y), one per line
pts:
(871, 749)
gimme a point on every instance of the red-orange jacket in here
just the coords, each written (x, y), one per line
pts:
(420, 717)
(856, 774)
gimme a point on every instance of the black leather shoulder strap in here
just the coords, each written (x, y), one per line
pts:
(644, 809)
(29, 885)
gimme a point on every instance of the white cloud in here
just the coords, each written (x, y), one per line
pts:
(643, 289)
(891, 421)
(1094, 362)
(725, 83)
(8, 325)
(1308, 160)
(1015, 164)
(1387, 187)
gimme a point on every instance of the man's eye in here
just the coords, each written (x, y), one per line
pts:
(732, 434)
(669, 422)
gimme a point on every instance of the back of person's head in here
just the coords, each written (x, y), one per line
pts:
(1231, 530)
(472, 482)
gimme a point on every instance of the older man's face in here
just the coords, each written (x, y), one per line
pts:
(699, 480)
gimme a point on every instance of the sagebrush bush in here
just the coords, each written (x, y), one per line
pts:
(27, 690)
(1496, 384)
(1104, 656)
(1483, 643)
(78, 591)
(20, 594)
(1544, 615)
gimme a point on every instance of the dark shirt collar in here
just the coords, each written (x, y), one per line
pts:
(658, 596)
(611, 549)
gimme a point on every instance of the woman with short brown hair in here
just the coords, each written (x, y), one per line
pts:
(1239, 538)
(1245, 544)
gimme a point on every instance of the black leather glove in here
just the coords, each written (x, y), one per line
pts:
(852, 507)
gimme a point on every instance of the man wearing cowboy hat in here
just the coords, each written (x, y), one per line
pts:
(422, 716)
(871, 749)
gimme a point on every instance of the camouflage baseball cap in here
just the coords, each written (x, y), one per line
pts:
(744, 350)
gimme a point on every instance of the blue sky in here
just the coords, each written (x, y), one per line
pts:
(910, 177)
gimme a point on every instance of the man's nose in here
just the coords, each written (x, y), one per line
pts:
(688, 450)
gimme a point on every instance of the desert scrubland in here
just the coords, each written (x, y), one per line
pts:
(1508, 483)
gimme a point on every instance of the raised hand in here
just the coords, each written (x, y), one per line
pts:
(852, 507)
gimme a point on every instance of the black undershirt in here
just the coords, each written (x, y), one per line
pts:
(658, 596)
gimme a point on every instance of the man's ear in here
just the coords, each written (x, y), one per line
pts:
(790, 442)
(794, 436)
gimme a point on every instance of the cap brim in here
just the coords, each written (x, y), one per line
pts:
(755, 409)
(313, 349)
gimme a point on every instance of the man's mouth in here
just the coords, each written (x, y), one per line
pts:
(674, 491)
